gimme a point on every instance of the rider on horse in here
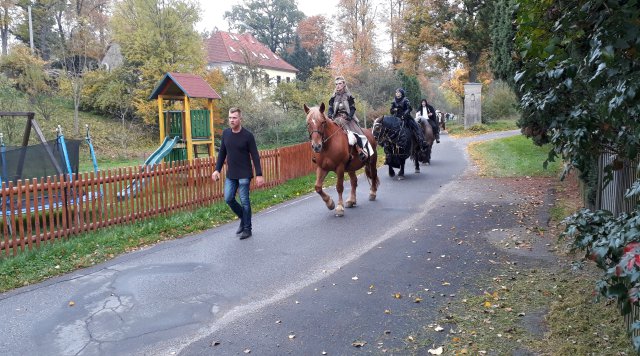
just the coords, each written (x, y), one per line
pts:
(342, 109)
(429, 112)
(401, 108)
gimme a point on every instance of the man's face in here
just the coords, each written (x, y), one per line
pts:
(398, 95)
(234, 120)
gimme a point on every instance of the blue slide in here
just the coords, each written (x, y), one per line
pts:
(155, 158)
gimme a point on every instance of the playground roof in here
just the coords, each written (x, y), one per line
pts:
(179, 84)
(226, 47)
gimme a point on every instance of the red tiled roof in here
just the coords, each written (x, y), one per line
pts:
(225, 47)
(179, 84)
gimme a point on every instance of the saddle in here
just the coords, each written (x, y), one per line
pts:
(360, 140)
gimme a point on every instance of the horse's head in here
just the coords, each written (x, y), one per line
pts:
(379, 130)
(316, 126)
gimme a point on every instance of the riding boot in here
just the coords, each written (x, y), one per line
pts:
(361, 154)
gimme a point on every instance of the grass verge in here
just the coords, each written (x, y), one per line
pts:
(457, 130)
(514, 156)
(551, 310)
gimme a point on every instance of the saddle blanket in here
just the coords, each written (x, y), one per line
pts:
(365, 143)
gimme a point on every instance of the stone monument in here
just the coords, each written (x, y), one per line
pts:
(472, 104)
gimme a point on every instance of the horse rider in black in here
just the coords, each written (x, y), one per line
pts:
(429, 112)
(342, 110)
(401, 108)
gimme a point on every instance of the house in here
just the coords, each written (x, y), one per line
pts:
(225, 50)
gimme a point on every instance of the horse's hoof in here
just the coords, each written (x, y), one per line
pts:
(331, 205)
(417, 171)
(340, 212)
(349, 204)
(372, 197)
(392, 174)
(400, 177)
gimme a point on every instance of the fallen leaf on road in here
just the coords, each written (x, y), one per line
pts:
(247, 351)
(438, 328)
(72, 303)
(359, 343)
(397, 295)
(292, 336)
(446, 283)
(417, 300)
(410, 338)
(215, 343)
(387, 311)
(355, 278)
(437, 351)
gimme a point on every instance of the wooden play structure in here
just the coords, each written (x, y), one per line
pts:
(193, 127)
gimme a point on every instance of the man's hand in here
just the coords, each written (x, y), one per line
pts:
(215, 176)
(259, 181)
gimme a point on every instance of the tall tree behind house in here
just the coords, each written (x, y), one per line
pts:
(272, 22)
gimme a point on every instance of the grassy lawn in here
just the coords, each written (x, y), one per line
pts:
(515, 156)
(457, 130)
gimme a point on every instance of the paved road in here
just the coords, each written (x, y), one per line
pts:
(305, 283)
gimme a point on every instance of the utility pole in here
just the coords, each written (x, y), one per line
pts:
(30, 30)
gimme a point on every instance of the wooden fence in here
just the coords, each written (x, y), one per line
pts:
(42, 211)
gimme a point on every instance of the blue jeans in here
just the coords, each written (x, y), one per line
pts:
(231, 186)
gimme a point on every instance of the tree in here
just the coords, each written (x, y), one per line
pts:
(455, 31)
(301, 59)
(396, 25)
(272, 22)
(157, 37)
(502, 36)
(411, 87)
(356, 20)
(43, 13)
(27, 73)
(8, 13)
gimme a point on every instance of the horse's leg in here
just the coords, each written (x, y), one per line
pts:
(351, 202)
(392, 173)
(401, 172)
(373, 179)
(417, 164)
(320, 176)
(340, 189)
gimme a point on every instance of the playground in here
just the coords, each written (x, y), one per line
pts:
(44, 196)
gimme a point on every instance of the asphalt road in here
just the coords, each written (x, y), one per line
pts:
(307, 282)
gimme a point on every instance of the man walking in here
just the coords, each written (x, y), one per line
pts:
(238, 148)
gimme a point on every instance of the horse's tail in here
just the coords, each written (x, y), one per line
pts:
(372, 175)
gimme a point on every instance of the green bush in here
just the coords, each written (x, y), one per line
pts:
(499, 102)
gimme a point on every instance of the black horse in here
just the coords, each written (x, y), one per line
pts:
(399, 144)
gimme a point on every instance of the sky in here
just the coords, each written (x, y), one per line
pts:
(214, 10)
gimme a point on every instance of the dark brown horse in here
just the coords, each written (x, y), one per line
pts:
(332, 152)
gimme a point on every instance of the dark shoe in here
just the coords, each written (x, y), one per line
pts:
(245, 234)
(437, 141)
(240, 229)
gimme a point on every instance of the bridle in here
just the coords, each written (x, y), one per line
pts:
(323, 125)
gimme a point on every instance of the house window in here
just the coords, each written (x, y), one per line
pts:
(288, 79)
(278, 79)
(266, 79)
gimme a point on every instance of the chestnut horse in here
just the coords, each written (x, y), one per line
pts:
(332, 152)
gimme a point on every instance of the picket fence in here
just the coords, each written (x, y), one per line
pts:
(46, 210)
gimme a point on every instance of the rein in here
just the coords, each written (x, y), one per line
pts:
(321, 133)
